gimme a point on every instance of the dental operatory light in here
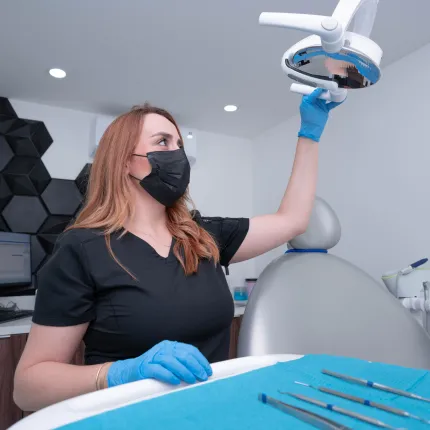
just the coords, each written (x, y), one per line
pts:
(336, 57)
(57, 73)
(230, 108)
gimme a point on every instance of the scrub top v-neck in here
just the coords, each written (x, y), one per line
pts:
(151, 248)
(82, 283)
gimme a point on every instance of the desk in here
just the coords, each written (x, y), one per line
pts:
(20, 326)
(101, 401)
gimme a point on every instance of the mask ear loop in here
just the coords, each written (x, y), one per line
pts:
(137, 155)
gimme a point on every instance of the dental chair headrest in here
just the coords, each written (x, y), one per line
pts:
(323, 231)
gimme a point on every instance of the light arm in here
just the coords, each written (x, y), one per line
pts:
(330, 29)
(364, 18)
(294, 21)
(345, 11)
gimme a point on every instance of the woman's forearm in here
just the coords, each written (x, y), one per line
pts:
(47, 383)
(299, 196)
(267, 232)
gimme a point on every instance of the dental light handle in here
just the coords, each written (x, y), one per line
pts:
(330, 96)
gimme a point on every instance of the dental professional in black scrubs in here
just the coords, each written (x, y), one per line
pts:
(139, 276)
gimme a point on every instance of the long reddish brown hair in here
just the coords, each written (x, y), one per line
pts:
(109, 201)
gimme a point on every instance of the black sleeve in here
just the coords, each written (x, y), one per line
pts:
(228, 233)
(65, 294)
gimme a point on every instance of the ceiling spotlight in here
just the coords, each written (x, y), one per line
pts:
(57, 73)
(190, 135)
(230, 108)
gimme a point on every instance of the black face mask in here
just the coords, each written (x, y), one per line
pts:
(169, 177)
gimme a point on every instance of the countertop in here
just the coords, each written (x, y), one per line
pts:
(23, 325)
(15, 327)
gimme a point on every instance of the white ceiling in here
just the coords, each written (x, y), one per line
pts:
(190, 56)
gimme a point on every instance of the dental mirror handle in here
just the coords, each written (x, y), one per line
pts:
(329, 96)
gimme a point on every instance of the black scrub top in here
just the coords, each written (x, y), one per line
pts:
(82, 283)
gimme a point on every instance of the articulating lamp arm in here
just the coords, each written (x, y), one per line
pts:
(327, 28)
(330, 29)
(364, 17)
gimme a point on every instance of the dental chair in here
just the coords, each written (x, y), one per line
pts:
(309, 301)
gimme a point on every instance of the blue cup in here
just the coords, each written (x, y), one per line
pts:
(240, 294)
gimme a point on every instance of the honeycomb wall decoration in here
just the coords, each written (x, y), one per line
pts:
(30, 200)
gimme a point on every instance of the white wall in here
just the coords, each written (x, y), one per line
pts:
(222, 184)
(221, 180)
(374, 169)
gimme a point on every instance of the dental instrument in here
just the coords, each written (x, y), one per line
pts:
(342, 411)
(375, 385)
(410, 287)
(311, 418)
(332, 58)
(392, 279)
(366, 402)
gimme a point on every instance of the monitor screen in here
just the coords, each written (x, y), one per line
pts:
(15, 259)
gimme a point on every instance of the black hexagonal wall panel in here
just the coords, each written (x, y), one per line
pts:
(6, 108)
(6, 153)
(29, 138)
(82, 179)
(3, 225)
(48, 242)
(29, 201)
(38, 254)
(24, 214)
(51, 229)
(55, 224)
(62, 197)
(26, 176)
(5, 124)
(5, 193)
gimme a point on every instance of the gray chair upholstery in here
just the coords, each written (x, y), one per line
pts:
(317, 303)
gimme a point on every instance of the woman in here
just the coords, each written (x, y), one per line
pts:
(138, 276)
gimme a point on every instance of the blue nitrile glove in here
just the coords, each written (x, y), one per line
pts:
(170, 362)
(314, 115)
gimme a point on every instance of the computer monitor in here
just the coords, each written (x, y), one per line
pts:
(15, 259)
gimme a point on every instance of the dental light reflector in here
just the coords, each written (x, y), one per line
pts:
(332, 58)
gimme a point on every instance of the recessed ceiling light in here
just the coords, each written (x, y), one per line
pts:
(230, 108)
(190, 135)
(57, 73)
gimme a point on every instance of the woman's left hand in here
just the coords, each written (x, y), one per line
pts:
(267, 232)
(314, 115)
(170, 362)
